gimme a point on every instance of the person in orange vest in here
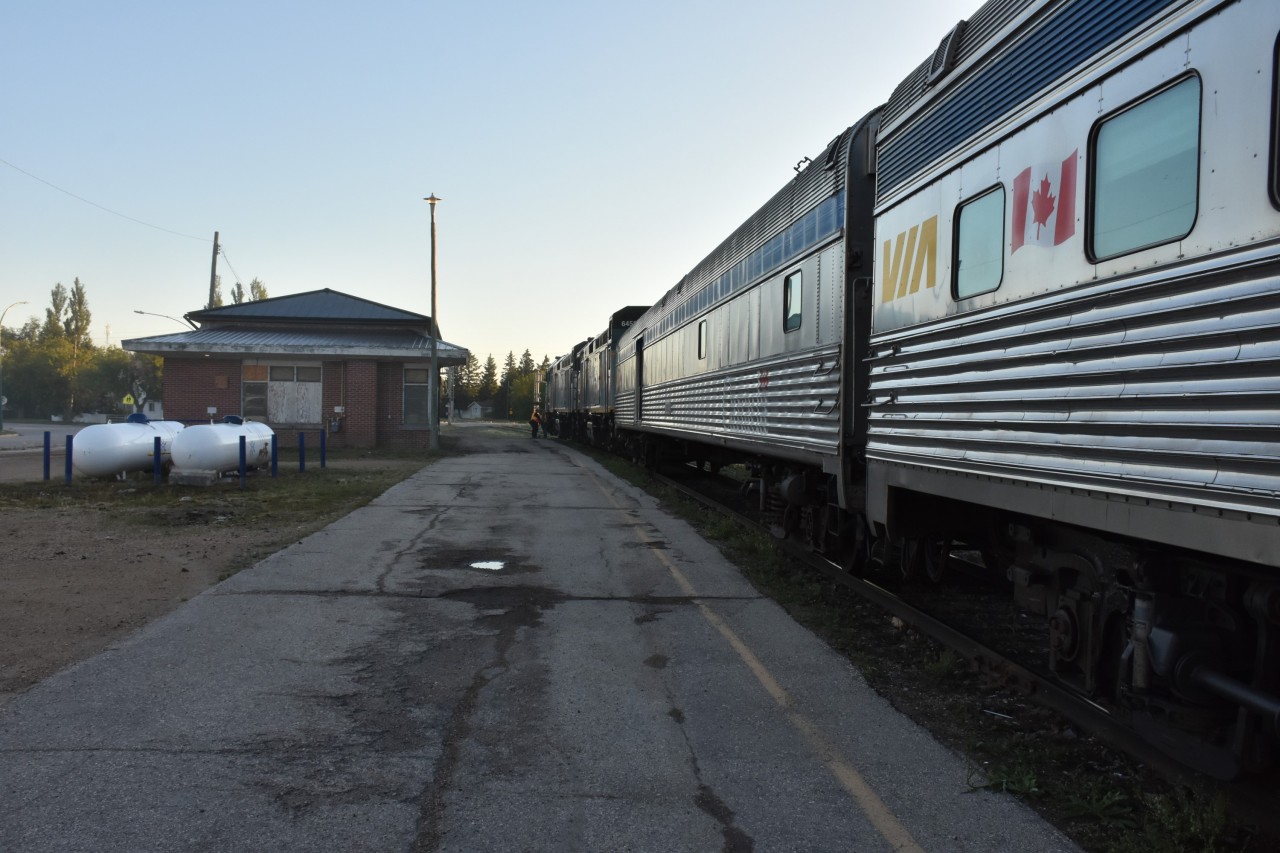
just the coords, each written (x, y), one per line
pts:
(535, 421)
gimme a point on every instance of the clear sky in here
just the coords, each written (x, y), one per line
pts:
(588, 154)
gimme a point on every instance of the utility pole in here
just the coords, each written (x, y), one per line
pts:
(434, 394)
(213, 272)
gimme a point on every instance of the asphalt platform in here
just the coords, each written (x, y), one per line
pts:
(510, 651)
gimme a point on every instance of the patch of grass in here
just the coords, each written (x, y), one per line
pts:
(1019, 779)
(1112, 808)
(275, 510)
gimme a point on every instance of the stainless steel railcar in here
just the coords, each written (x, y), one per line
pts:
(1065, 356)
(560, 405)
(579, 400)
(1075, 353)
(745, 359)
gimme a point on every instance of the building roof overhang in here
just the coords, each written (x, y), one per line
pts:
(388, 345)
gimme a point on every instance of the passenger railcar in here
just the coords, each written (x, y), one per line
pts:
(596, 375)
(560, 401)
(1075, 348)
(1029, 308)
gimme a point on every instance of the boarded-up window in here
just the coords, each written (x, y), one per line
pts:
(291, 395)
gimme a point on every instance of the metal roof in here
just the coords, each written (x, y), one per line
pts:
(309, 307)
(399, 344)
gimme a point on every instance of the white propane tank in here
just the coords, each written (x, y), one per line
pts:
(102, 450)
(216, 447)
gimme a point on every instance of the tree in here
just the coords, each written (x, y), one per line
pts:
(257, 290)
(215, 293)
(467, 382)
(76, 325)
(507, 410)
(527, 367)
(488, 380)
(52, 328)
(237, 293)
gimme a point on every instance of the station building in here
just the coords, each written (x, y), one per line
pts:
(321, 360)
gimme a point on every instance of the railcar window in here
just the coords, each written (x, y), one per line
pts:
(791, 302)
(1275, 128)
(702, 339)
(979, 264)
(416, 387)
(1146, 170)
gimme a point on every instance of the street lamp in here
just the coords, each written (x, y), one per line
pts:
(167, 317)
(434, 391)
(2, 400)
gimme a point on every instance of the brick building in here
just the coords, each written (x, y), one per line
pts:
(313, 361)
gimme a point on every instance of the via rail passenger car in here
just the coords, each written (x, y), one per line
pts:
(1029, 308)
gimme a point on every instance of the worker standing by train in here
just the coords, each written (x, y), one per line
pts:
(535, 421)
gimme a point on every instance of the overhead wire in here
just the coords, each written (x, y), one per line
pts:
(99, 206)
(222, 251)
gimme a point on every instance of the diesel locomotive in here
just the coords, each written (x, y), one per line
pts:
(1029, 308)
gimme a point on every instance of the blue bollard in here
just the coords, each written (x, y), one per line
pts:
(302, 452)
(156, 467)
(68, 461)
(275, 456)
(322, 446)
(243, 461)
(47, 439)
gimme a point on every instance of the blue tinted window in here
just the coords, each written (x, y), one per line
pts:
(1146, 169)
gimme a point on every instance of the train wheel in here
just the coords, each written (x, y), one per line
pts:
(937, 556)
(911, 561)
(856, 554)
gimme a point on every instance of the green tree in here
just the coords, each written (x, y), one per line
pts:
(257, 290)
(53, 327)
(215, 293)
(467, 382)
(527, 367)
(76, 324)
(507, 409)
(489, 381)
(237, 293)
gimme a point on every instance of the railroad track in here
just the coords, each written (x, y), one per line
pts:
(1251, 804)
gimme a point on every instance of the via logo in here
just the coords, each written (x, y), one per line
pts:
(911, 258)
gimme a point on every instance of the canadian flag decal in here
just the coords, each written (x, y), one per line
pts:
(1044, 204)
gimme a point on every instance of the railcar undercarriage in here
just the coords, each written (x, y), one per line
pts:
(1184, 646)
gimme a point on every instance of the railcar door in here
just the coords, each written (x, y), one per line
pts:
(639, 380)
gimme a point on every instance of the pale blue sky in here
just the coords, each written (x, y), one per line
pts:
(588, 154)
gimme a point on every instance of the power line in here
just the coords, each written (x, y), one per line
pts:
(100, 207)
(223, 252)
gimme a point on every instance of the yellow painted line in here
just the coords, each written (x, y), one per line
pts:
(880, 816)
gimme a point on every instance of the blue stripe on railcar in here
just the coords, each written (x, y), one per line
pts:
(1071, 36)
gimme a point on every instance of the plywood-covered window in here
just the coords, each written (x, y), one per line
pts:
(282, 394)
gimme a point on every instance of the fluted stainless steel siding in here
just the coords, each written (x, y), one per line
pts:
(1167, 389)
(790, 403)
(1070, 35)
